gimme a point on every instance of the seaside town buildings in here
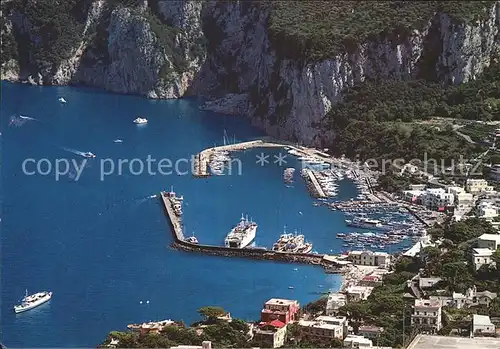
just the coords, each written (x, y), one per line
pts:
(482, 325)
(370, 258)
(325, 327)
(335, 302)
(274, 317)
(284, 310)
(153, 327)
(487, 244)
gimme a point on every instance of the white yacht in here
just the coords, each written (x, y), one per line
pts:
(62, 100)
(242, 234)
(32, 301)
(140, 120)
(89, 155)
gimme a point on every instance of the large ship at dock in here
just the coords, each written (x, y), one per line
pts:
(292, 243)
(242, 234)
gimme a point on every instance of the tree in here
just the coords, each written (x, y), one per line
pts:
(496, 258)
(211, 312)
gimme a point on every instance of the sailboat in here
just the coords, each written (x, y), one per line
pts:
(32, 301)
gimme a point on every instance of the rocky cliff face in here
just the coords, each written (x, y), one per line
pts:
(122, 49)
(126, 50)
(289, 98)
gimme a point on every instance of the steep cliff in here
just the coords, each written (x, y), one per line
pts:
(249, 57)
(151, 48)
(289, 97)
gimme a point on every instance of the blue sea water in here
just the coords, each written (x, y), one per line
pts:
(102, 246)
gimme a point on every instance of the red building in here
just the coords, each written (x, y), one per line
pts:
(284, 310)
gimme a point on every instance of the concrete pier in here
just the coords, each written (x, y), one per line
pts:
(202, 160)
(254, 253)
(315, 184)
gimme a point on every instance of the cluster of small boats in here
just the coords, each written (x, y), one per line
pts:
(365, 206)
(328, 181)
(218, 160)
(374, 241)
(294, 243)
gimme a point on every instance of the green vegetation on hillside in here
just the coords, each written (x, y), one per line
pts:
(316, 30)
(379, 120)
(8, 48)
(420, 100)
(57, 29)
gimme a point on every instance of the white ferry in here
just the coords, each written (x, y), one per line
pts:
(140, 120)
(32, 301)
(242, 234)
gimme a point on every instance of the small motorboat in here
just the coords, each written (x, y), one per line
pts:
(118, 141)
(62, 100)
(192, 240)
(89, 155)
(290, 287)
(141, 121)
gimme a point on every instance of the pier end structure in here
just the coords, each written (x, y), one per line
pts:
(253, 253)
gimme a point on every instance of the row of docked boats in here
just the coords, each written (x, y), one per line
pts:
(374, 240)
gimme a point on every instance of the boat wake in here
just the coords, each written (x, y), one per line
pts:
(20, 120)
(76, 152)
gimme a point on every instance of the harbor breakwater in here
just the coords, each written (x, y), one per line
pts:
(253, 253)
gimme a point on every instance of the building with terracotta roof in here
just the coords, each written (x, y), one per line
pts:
(270, 334)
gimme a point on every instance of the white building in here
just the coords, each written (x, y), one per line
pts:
(358, 293)
(491, 241)
(335, 302)
(370, 258)
(481, 324)
(353, 341)
(272, 334)
(475, 186)
(321, 329)
(427, 313)
(412, 195)
(204, 345)
(487, 210)
(481, 256)
(472, 298)
(437, 198)
(462, 199)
